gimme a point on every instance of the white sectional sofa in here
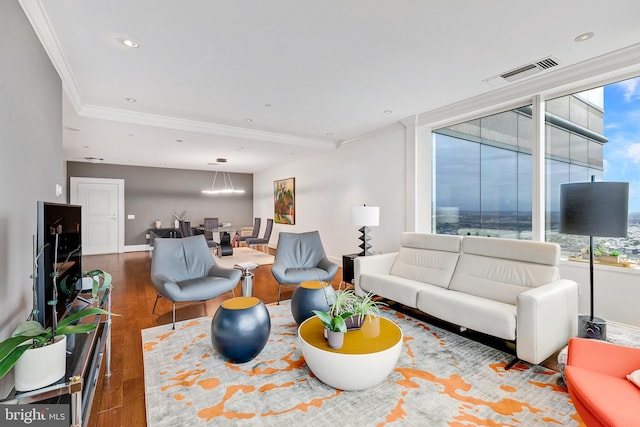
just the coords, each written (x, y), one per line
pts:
(510, 289)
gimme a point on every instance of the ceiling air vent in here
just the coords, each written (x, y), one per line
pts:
(523, 71)
(529, 69)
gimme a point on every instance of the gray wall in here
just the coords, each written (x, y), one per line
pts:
(31, 158)
(156, 193)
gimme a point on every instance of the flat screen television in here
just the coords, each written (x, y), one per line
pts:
(59, 244)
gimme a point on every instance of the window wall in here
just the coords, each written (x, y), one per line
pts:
(482, 181)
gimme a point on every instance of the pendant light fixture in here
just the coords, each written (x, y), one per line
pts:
(228, 185)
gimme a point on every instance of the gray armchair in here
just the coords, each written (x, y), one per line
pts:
(183, 270)
(299, 258)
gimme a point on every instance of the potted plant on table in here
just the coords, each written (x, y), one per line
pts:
(365, 307)
(39, 353)
(335, 327)
(360, 307)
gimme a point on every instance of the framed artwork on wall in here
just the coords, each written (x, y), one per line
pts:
(284, 201)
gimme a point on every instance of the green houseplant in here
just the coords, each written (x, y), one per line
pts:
(364, 306)
(31, 335)
(346, 301)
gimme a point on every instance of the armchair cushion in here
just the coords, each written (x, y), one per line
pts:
(301, 257)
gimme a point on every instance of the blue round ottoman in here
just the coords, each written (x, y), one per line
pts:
(240, 329)
(309, 296)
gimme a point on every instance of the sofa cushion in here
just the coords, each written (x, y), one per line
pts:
(517, 250)
(428, 258)
(500, 269)
(436, 242)
(479, 314)
(499, 279)
(395, 288)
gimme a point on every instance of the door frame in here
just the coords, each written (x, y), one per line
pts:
(74, 181)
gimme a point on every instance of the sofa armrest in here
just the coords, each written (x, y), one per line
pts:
(547, 316)
(377, 264)
(603, 357)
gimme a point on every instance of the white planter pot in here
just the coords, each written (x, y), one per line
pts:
(39, 367)
(335, 339)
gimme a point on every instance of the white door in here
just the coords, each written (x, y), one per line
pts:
(101, 201)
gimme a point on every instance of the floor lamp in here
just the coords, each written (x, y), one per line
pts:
(594, 209)
(365, 216)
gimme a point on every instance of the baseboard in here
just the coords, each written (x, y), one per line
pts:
(138, 248)
(632, 328)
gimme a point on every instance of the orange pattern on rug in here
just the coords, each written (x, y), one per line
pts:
(441, 379)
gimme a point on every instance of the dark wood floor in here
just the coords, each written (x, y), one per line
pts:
(119, 399)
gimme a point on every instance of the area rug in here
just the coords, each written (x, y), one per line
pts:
(441, 379)
(244, 254)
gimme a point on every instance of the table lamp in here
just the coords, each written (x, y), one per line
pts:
(594, 209)
(365, 216)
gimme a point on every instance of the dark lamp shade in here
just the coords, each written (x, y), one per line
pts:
(594, 208)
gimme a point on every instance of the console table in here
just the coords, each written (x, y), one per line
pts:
(87, 351)
(163, 233)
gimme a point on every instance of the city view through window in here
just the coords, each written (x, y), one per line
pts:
(483, 177)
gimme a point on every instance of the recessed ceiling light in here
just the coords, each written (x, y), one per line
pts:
(387, 111)
(267, 105)
(130, 43)
(221, 160)
(329, 134)
(584, 37)
(131, 100)
(86, 146)
(248, 120)
(179, 140)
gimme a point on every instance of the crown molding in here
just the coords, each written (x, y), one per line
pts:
(114, 114)
(614, 66)
(38, 19)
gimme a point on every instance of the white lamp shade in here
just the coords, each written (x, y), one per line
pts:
(365, 215)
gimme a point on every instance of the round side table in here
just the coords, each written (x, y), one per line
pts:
(311, 295)
(240, 329)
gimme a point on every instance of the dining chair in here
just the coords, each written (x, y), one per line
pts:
(265, 238)
(211, 224)
(254, 233)
(185, 228)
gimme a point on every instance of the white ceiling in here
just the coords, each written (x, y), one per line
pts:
(309, 74)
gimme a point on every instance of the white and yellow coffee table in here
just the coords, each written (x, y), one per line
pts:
(366, 359)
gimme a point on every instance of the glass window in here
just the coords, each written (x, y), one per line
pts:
(603, 137)
(483, 170)
(483, 176)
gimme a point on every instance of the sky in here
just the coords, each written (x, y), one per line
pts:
(622, 128)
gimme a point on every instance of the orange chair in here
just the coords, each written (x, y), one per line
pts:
(596, 378)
